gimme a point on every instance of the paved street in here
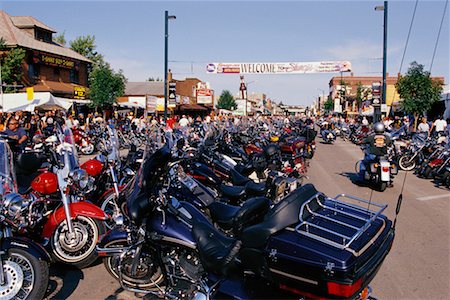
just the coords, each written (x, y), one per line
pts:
(417, 268)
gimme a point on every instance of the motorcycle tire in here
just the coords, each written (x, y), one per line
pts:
(405, 164)
(27, 276)
(83, 252)
(446, 179)
(109, 207)
(148, 277)
(382, 186)
(427, 172)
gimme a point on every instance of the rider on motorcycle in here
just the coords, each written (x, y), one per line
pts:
(377, 146)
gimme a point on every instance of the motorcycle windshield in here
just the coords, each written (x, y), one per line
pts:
(7, 176)
(68, 156)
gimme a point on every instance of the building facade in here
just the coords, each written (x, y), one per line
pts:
(48, 66)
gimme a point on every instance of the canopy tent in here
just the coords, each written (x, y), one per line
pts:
(42, 100)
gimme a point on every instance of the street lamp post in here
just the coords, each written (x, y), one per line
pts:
(323, 99)
(166, 60)
(377, 109)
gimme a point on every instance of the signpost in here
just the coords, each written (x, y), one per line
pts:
(172, 94)
(376, 95)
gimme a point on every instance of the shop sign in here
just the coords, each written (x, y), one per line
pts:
(204, 96)
(79, 92)
(151, 104)
(52, 60)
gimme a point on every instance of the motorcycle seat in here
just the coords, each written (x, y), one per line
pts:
(232, 192)
(237, 217)
(217, 251)
(237, 178)
(284, 214)
(254, 188)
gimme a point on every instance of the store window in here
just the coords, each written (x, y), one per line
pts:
(74, 76)
(33, 71)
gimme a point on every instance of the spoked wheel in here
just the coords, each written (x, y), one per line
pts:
(148, 273)
(77, 250)
(26, 276)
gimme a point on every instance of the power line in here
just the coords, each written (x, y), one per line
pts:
(409, 34)
(439, 33)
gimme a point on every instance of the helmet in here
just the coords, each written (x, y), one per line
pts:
(378, 128)
(274, 138)
(271, 150)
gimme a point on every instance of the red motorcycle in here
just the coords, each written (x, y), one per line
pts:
(82, 141)
(55, 213)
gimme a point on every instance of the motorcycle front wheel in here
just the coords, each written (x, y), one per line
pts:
(148, 274)
(78, 250)
(406, 164)
(26, 276)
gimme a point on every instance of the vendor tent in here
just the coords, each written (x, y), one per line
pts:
(42, 100)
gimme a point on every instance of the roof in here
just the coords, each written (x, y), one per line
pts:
(29, 22)
(54, 87)
(155, 88)
(192, 107)
(16, 37)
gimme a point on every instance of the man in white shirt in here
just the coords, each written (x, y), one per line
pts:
(439, 125)
(183, 121)
(423, 127)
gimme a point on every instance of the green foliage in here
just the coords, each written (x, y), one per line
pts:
(418, 90)
(328, 105)
(226, 101)
(85, 45)
(60, 39)
(11, 65)
(105, 86)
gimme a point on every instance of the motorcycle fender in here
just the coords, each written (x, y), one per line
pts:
(76, 209)
(25, 243)
(385, 176)
(435, 162)
(111, 190)
(116, 234)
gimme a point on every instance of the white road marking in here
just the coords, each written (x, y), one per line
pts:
(426, 198)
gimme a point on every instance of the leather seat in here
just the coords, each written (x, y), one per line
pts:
(232, 192)
(257, 189)
(285, 213)
(216, 251)
(238, 217)
(237, 178)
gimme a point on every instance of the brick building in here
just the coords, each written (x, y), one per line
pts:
(48, 66)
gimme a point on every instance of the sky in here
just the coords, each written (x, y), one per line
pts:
(130, 34)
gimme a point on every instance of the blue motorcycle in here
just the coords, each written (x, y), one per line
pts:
(306, 245)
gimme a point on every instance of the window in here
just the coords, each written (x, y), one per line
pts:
(74, 76)
(56, 72)
(33, 71)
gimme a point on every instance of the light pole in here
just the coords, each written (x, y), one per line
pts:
(323, 98)
(166, 51)
(377, 109)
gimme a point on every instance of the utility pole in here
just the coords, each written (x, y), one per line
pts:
(377, 108)
(166, 59)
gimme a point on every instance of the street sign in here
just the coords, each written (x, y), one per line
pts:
(79, 92)
(30, 93)
(172, 93)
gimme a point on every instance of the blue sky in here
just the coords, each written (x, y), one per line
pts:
(130, 35)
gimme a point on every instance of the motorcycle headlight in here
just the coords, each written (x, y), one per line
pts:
(12, 204)
(81, 178)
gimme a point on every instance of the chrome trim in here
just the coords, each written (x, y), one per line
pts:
(178, 241)
(294, 277)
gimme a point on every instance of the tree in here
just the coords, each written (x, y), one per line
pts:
(105, 86)
(60, 39)
(328, 105)
(418, 91)
(154, 79)
(85, 45)
(11, 62)
(226, 101)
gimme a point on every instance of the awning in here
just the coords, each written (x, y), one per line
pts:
(130, 104)
(192, 107)
(43, 100)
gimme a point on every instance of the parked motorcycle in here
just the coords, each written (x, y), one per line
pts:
(82, 141)
(24, 271)
(307, 245)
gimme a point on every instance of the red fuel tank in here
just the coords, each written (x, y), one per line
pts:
(45, 183)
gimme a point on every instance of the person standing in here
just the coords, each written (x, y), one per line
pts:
(423, 127)
(439, 125)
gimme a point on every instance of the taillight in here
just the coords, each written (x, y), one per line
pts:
(385, 169)
(344, 290)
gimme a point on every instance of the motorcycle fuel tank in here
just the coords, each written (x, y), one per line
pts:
(45, 183)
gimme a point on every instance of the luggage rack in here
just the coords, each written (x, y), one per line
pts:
(353, 220)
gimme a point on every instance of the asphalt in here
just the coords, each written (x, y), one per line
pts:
(418, 266)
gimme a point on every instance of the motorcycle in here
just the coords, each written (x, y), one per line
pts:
(307, 245)
(24, 271)
(82, 141)
(55, 214)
